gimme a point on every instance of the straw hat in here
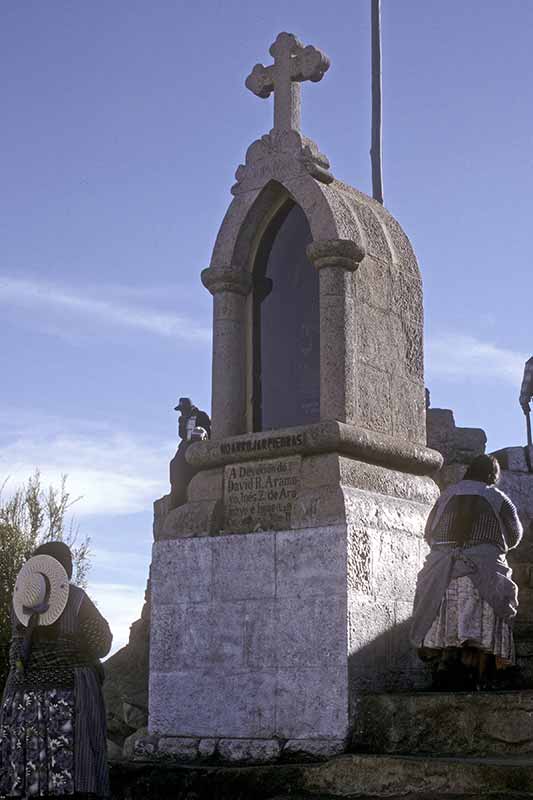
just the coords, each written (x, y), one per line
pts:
(41, 583)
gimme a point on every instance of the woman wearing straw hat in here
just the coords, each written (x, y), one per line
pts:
(52, 718)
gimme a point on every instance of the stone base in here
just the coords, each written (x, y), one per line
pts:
(273, 634)
(142, 746)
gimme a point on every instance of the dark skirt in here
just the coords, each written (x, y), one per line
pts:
(53, 741)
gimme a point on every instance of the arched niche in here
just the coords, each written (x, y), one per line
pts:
(285, 316)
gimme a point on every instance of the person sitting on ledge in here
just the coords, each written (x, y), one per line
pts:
(465, 597)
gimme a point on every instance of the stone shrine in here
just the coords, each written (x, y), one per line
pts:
(281, 591)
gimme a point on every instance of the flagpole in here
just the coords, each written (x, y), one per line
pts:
(375, 150)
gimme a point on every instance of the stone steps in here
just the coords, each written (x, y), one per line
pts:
(352, 777)
(440, 723)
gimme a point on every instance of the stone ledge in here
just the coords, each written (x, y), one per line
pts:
(346, 776)
(438, 723)
(147, 748)
(329, 436)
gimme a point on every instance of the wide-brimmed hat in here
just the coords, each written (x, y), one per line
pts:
(42, 587)
(183, 401)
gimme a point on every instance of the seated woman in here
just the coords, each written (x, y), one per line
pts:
(466, 599)
(52, 717)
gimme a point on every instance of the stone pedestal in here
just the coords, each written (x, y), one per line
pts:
(271, 635)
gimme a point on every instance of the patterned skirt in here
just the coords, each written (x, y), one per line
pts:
(37, 743)
(53, 741)
(464, 619)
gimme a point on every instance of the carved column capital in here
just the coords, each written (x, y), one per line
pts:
(226, 280)
(341, 253)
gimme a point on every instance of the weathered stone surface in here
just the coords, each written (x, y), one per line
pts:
(260, 496)
(314, 748)
(198, 518)
(493, 723)
(312, 703)
(204, 703)
(311, 562)
(140, 745)
(207, 748)
(206, 485)
(243, 567)
(249, 751)
(181, 571)
(456, 445)
(178, 748)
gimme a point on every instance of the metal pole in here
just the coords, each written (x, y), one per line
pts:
(375, 149)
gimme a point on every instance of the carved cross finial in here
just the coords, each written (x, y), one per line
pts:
(293, 63)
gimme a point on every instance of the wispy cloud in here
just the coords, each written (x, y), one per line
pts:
(457, 356)
(42, 296)
(113, 472)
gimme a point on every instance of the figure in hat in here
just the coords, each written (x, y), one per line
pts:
(193, 426)
(53, 738)
(190, 418)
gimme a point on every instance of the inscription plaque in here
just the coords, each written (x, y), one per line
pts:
(260, 495)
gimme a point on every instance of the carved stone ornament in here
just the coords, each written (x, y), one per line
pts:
(284, 152)
(281, 154)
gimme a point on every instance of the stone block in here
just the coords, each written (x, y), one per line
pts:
(198, 518)
(181, 571)
(260, 496)
(395, 559)
(377, 337)
(198, 635)
(313, 748)
(312, 631)
(209, 704)
(374, 399)
(243, 567)
(372, 282)
(140, 745)
(260, 633)
(207, 748)
(311, 562)
(312, 703)
(460, 724)
(206, 485)
(408, 416)
(376, 512)
(320, 470)
(391, 483)
(249, 751)
(319, 508)
(178, 748)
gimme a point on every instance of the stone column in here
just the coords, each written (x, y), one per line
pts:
(337, 260)
(229, 288)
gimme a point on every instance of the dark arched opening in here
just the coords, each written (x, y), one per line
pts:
(286, 325)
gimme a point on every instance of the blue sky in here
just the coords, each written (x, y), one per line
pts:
(123, 124)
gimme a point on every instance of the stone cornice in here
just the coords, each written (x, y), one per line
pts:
(341, 253)
(217, 280)
(329, 436)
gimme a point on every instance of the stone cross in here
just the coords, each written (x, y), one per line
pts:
(293, 63)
